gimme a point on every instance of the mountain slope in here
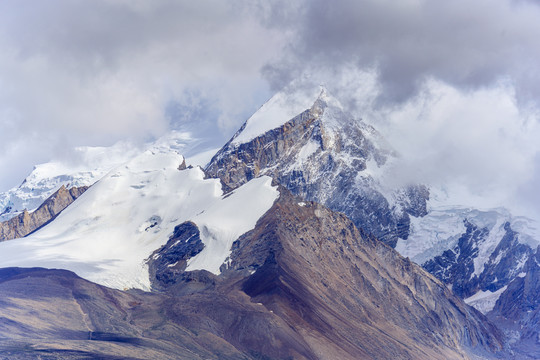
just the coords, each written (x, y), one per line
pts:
(54, 314)
(325, 155)
(26, 223)
(343, 294)
(305, 283)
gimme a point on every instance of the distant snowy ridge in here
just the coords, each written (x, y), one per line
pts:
(441, 228)
(83, 166)
(477, 253)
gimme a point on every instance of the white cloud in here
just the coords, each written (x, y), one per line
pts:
(454, 85)
(478, 143)
(79, 72)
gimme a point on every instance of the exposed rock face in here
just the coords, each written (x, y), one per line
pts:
(26, 223)
(325, 156)
(456, 267)
(518, 310)
(328, 291)
(168, 263)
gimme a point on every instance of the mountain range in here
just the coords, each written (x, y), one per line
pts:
(286, 243)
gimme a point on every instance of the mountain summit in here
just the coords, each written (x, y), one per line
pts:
(322, 154)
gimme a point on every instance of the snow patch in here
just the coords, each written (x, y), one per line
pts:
(528, 229)
(484, 301)
(432, 234)
(486, 247)
(307, 150)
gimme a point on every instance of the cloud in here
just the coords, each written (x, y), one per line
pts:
(454, 86)
(479, 139)
(80, 72)
(466, 44)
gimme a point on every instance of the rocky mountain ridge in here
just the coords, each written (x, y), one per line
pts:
(342, 293)
(26, 223)
(324, 155)
(305, 278)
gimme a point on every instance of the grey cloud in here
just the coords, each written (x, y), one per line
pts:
(467, 44)
(102, 32)
(94, 72)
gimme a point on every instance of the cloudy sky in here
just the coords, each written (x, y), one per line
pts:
(455, 86)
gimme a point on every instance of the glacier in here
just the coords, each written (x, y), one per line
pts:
(108, 233)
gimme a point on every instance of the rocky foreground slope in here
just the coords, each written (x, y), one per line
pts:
(305, 283)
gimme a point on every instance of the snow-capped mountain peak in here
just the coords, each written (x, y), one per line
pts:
(322, 153)
(283, 106)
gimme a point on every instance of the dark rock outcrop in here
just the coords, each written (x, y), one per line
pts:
(26, 223)
(167, 264)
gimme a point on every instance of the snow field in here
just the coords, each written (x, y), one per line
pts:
(108, 233)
